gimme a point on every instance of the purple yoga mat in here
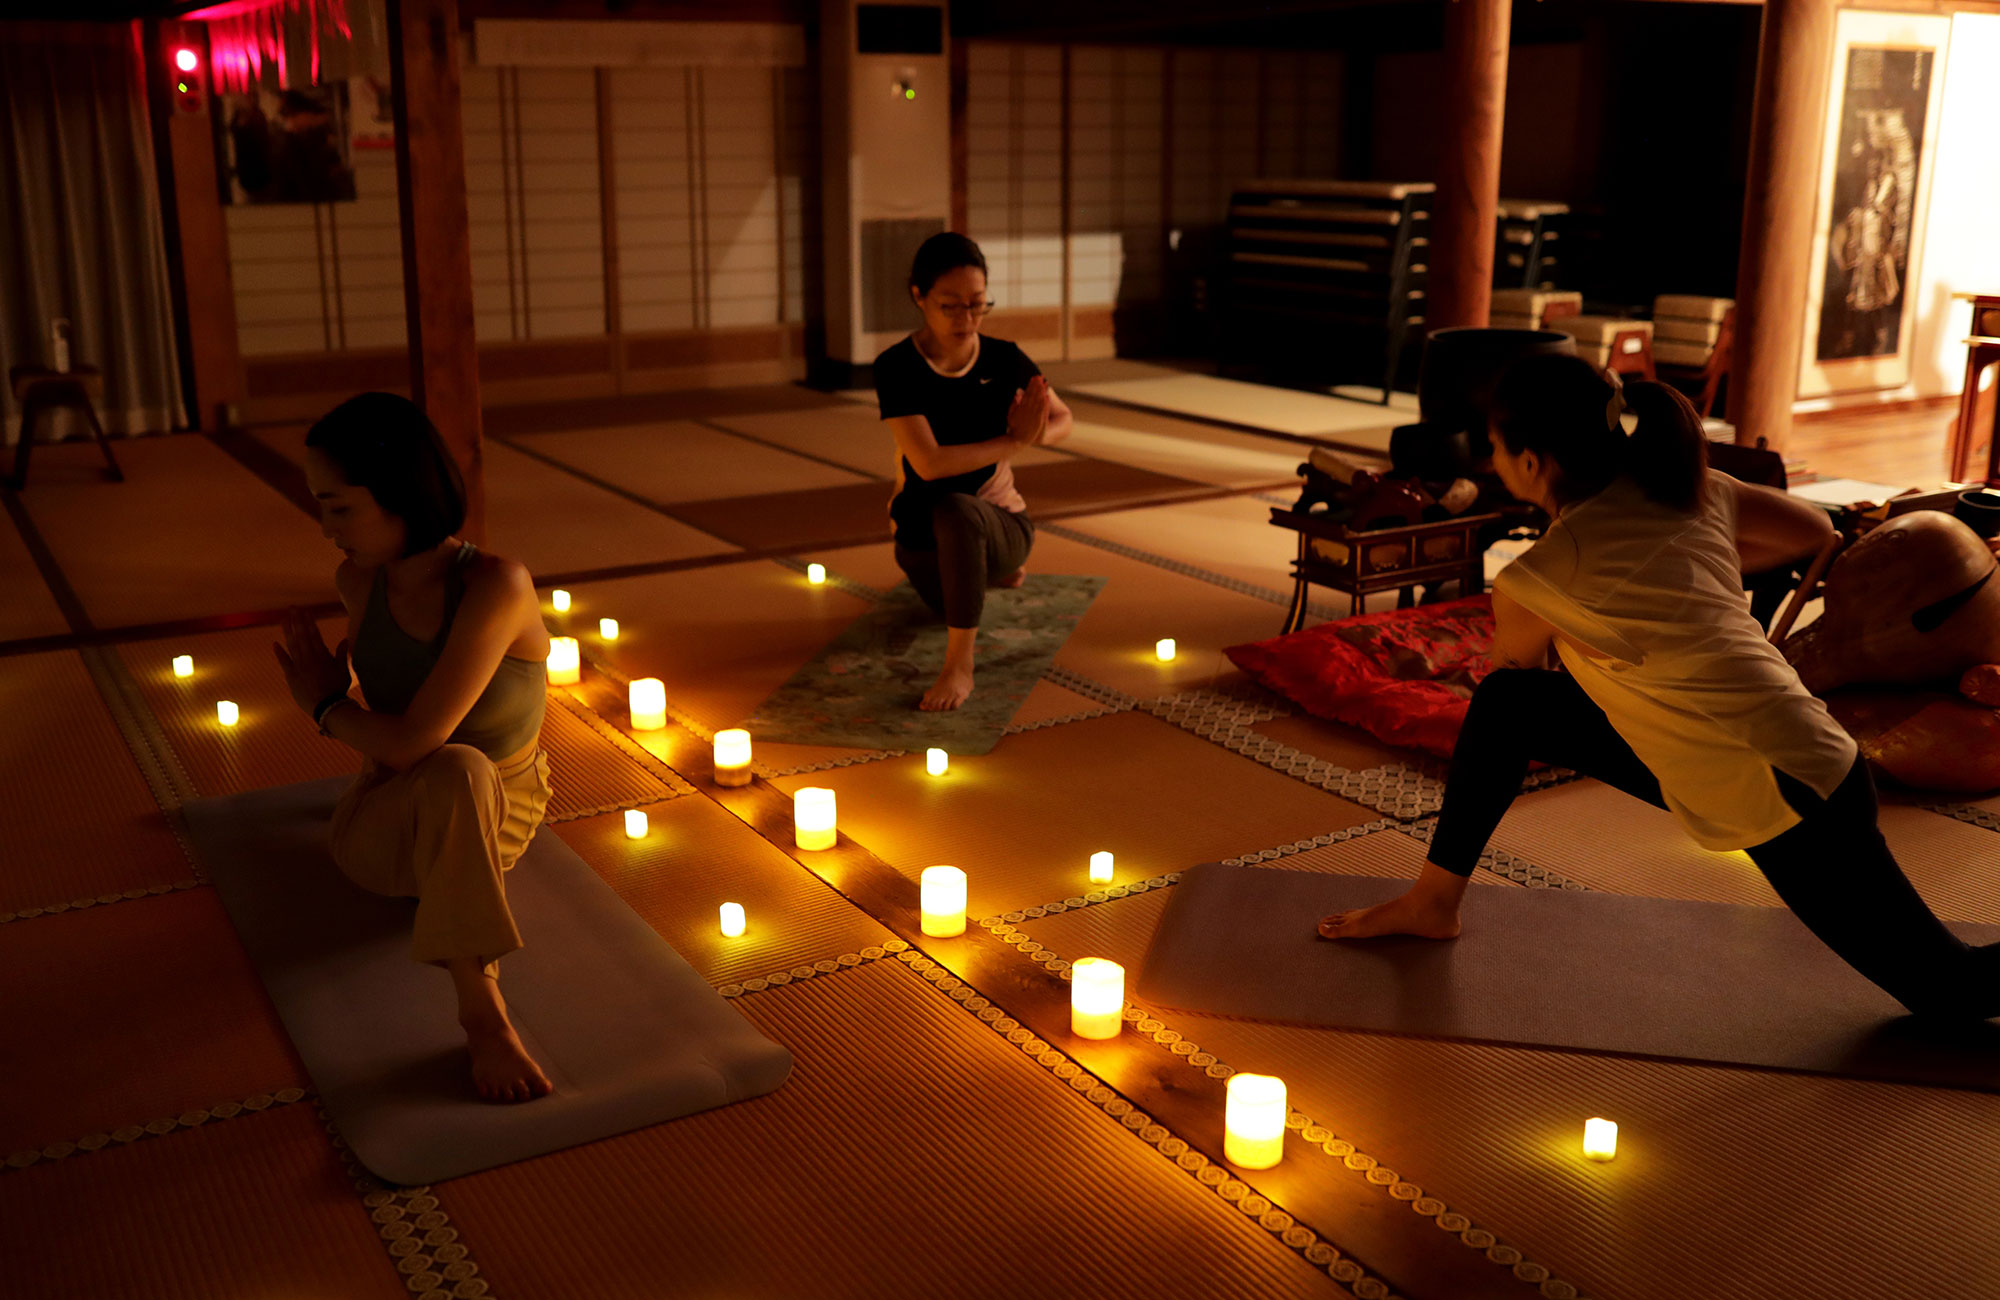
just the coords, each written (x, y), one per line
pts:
(1562, 969)
(627, 1031)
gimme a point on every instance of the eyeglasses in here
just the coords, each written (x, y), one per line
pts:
(969, 310)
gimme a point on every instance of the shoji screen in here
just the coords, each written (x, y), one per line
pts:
(1013, 187)
(738, 236)
(653, 173)
(1116, 223)
(561, 227)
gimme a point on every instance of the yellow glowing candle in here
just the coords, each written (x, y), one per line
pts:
(1100, 868)
(815, 574)
(608, 628)
(732, 757)
(565, 661)
(943, 902)
(936, 762)
(732, 920)
(813, 818)
(225, 712)
(649, 704)
(1096, 998)
(560, 599)
(635, 823)
(1254, 1121)
(183, 665)
(1164, 648)
(1600, 1139)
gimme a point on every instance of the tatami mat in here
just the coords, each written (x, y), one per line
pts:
(30, 608)
(946, 1164)
(1230, 536)
(1046, 702)
(1215, 456)
(684, 461)
(590, 770)
(78, 820)
(553, 521)
(1023, 821)
(794, 520)
(188, 533)
(695, 858)
(1335, 742)
(722, 639)
(274, 741)
(240, 1209)
(1730, 1184)
(1562, 829)
(1257, 406)
(127, 1012)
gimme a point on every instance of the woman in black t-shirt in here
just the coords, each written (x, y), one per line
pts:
(960, 407)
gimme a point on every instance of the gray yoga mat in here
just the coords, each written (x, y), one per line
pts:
(1559, 969)
(626, 1030)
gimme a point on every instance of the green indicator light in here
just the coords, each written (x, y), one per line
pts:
(909, 94)
(183, 87)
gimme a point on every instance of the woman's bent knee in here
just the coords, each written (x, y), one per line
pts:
(455, 771)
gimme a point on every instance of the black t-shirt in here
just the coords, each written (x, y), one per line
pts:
(963, 409)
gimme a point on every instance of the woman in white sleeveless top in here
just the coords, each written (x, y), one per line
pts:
(1671, 693)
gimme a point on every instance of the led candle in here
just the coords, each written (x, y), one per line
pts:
(1254, 1121)
(1096, 998)
(815, 574)
(936, 762)
(225, 712)
(813, 819)
(943, 902)
(565, 661)
(1600, 1138)
(183, 665)
(732, 757)
(732, 920)
(608, 628)
(649, 704)
(1100, 868)
(635, 823)
(560, 599)
(1164, 648)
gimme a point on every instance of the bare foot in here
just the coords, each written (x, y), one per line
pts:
(502, 1070)
(1014, 579)
(1410, 914)
(949, 691)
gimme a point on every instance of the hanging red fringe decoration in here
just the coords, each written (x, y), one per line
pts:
(245, 36)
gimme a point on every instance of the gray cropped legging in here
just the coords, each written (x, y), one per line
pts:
(1833, 869)
(977, 542)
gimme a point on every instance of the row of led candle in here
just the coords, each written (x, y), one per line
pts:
(733, 920)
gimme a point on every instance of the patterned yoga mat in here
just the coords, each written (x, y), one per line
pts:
(862, 689)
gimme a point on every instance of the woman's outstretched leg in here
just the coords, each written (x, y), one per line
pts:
(1838, 875)
(1518, 716)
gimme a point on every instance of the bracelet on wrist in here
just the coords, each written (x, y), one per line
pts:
(327, 706)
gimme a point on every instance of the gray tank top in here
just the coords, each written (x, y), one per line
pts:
(391, 664)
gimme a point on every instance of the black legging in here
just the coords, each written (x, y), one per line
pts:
(1834, 869)
(977, 542)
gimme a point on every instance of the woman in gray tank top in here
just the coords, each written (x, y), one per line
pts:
(448, 647)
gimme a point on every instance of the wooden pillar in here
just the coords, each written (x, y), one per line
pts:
(196, 237)
(437, 256)
(1465, 210)
(1794, 55)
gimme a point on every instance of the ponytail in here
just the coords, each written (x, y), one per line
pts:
(1566, 410)
(1667, 454)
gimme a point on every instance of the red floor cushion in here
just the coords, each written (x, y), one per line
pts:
(1405, 677)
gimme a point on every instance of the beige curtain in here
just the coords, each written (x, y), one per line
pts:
(80, 231)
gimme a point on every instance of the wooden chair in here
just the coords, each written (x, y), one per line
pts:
(39, 389)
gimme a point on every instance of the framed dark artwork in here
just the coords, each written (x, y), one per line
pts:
(1882, 113)
(286, 146)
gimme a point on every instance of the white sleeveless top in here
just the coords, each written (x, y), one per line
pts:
(1687, 677)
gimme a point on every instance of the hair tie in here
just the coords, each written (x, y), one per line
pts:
(1614, 408)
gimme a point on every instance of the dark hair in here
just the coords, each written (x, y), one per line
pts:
(1559, 407)
(386, 444)
(942, 253)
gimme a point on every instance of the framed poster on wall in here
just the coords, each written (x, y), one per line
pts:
(1874, 190)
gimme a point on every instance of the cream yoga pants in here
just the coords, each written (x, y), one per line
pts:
(444, 832)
